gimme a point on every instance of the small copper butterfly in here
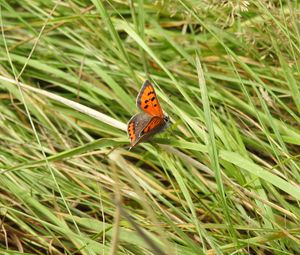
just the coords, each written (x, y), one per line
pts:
(150, 121)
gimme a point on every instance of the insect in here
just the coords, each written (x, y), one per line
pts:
(150, 121)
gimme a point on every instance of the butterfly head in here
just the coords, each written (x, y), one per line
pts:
(166, 119)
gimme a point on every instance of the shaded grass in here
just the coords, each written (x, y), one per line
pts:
(224, 178)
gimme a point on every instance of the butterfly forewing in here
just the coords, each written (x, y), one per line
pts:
(154, 124)
(147, 100)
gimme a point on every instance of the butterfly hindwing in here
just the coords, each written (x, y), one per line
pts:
(147, 100)
(136, 125)
(131, 130)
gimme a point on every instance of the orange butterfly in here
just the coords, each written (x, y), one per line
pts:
(150, 121)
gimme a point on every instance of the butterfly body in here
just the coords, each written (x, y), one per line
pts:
(151, 120)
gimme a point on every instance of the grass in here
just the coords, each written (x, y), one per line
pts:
(225, 176)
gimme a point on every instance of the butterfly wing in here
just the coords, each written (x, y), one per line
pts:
(142, 126)
(136, 125)
(155, 125)
(147, 100)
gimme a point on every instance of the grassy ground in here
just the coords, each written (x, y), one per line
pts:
(223, 179)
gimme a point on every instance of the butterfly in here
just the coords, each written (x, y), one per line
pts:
(150, 121)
